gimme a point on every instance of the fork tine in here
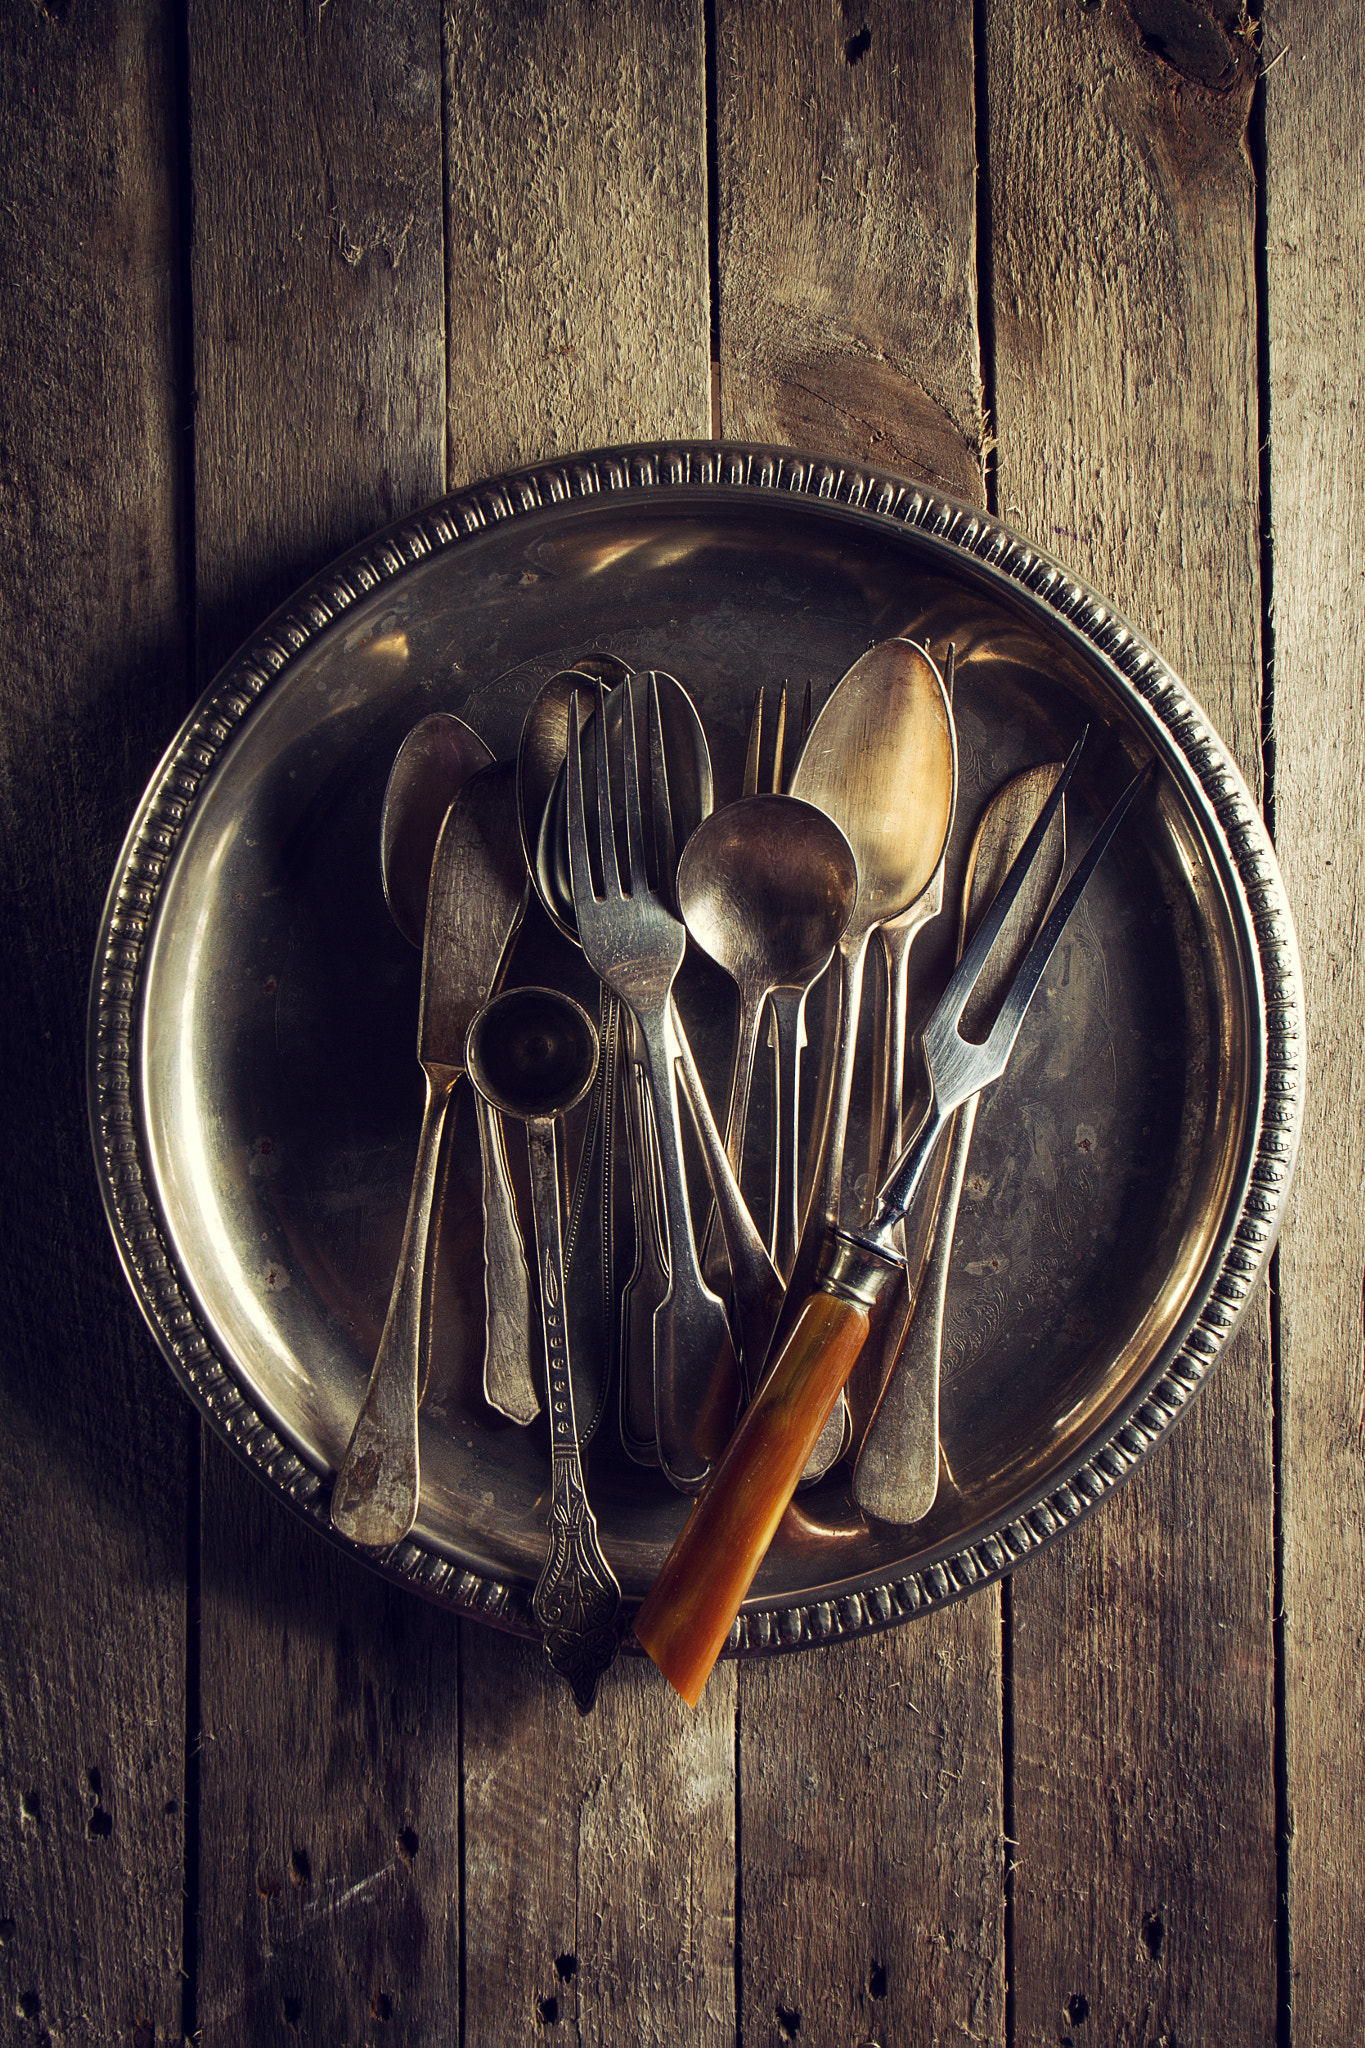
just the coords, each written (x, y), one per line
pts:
(635, 838)
(776, 784)
(948, 1014)
(580, 867)
(749, 786)
(661, 804)
(611, 872)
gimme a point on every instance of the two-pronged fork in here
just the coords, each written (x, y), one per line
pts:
(635, 944)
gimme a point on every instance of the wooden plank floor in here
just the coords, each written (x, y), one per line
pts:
(272, 277)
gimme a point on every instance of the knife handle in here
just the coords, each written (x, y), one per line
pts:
(374, 1501)
(689, 1610)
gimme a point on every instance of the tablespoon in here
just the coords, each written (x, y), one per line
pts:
(532, 1053)
(434, 762)
(896, 1475)
(881, 760)
(896, 937)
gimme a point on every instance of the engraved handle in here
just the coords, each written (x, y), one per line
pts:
(577, 1598)
(507, 1382)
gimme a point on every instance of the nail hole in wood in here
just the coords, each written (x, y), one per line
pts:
(857, 47)
(1153, 1934)
(566, 1966)
(293, 2011)
(381, 2007)
(407, 1843)
(788, 2022)
(28, 2005)
(100, 1825)
(876, 1981)
(30, 1807)
(7, 1933)
(1078, 2009)
(548, 2008)
(144, 2033)
(300, 1870)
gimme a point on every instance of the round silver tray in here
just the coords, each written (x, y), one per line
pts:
(255, 1098)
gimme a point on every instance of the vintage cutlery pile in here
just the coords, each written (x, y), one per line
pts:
(732, 1343)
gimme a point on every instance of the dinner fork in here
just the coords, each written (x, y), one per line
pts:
(635, 944)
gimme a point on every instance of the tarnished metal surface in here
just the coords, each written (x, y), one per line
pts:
(253, 1095)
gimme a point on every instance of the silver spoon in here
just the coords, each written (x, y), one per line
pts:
(434, 762)
(881, 760)
(532, 1053)
(766, 886)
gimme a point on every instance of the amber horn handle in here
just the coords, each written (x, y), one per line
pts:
(690, 1609)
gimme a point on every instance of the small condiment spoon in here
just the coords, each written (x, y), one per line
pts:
(532, 1054)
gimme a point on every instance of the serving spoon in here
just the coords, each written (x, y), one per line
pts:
(881, 761)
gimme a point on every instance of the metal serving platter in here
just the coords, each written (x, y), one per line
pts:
(255, 1097)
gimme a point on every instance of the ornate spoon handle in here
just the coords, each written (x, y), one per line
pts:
(577, 1599)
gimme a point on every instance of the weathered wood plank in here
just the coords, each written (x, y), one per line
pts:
(1316, 274)
(95, 1445)
(329, 1842)
(872, 1871)
(318, 293)
(848, 234)
(1122, 273)
(599, 1854)
(576, 218)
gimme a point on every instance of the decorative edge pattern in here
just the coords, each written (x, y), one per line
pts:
(178, 784)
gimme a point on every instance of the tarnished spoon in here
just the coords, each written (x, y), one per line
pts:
(896, 1476)
(766, 887)
(881, 760)
(434, 762)
(437, 757)
(896, 938)
(532, 1054)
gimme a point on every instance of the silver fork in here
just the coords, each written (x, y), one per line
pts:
(634, 942)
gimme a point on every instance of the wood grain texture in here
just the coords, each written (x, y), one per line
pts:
(599, 1858)
(330, 1812)
(848, 233)
(599, 1854)
(329, 1769)
(871, 1832)
(1122, 272)
(576, 229)
(318, 292)
(94, 1443)
(873, 1855)
(1316, 273)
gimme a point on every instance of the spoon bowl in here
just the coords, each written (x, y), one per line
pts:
(767, 886)
(435, 760)
(532, 1054)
